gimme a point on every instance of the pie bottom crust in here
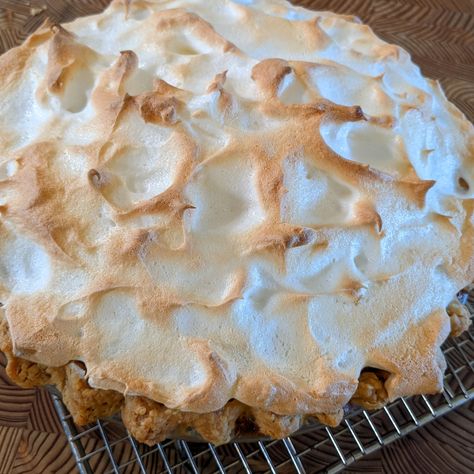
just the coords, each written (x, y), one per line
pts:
(151, 422)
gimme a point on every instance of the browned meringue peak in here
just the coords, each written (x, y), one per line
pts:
(205, 201)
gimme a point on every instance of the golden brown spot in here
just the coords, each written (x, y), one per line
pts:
(269, 73)
(156, 109)
(463, 184)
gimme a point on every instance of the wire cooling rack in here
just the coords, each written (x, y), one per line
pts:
(106, 447)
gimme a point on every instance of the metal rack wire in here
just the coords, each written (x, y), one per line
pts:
(107, 447)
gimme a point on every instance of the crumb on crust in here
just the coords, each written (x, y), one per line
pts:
(371, 393)
(459, 317)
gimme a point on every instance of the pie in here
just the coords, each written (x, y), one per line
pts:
(227, 217)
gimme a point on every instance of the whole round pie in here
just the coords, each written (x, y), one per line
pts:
(226, 217)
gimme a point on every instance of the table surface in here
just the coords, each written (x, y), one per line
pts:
(440, 36)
